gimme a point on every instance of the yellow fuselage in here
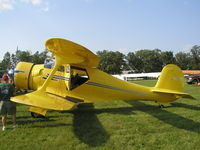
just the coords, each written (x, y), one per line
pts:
(100, 86)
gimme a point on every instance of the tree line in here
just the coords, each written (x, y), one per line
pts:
(148, 60)
(145, 60)
(10, 60)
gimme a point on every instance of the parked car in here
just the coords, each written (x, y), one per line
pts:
(193, 79)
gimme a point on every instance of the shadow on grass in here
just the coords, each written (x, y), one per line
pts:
(50, 125)
(85, 109)
(122, 111)
(168, 117)
(185, 106)
(28, 120)
(87, 127)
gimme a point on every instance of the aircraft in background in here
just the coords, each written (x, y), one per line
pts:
(138, 76)
(74, 79)
(191, 72)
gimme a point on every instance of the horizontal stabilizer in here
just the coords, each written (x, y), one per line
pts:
(47, 101)
(181, 94)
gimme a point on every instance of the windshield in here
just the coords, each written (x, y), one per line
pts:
(49, 63)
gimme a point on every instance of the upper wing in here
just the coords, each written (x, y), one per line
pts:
(68, 52)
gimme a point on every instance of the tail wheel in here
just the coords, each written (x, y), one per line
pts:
(161, 106)
(35, 115)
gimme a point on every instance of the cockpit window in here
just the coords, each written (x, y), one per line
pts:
(61, 69)
(78, 76)
(67, 69)
(49, 63)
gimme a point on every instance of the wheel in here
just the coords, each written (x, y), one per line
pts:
(35, 115)
(161, 106)
(194, 82)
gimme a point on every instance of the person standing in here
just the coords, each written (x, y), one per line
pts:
(7, 107)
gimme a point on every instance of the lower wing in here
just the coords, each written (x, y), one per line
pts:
(48, 101)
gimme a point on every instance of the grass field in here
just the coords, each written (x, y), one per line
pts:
(118, 125)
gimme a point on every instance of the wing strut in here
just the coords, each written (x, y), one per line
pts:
(47, 81)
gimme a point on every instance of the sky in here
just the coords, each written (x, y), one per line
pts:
(117, 25)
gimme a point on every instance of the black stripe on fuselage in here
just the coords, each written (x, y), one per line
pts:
(115, 88)
(56, 77)
(71, 99)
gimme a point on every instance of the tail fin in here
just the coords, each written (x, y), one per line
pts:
(171, 78)
(171, 81)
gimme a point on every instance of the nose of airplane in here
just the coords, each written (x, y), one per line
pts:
(22, 75)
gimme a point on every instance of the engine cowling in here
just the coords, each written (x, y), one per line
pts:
(22, 74)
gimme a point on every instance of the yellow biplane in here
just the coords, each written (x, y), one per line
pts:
(75, 79)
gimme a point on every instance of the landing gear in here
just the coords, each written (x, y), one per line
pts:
(35, 115)
(161, 106)
(195, 82)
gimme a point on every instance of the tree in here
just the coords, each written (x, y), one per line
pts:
(167, 57)
(13, 61)
(150, 60)
(111, 62)
(23, 56)
(38, 58)
(10, 61)
(115, 62)
(6, 62)
(195, 57)
(183, 60)
(134, 62)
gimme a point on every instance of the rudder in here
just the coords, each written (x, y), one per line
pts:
(171, 78)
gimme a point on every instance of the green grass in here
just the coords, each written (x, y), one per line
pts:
(128, 125)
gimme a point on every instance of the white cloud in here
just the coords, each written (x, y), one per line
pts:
(187, 47)
(45, 9)
(33, 2)
(36, 2)
(6, 5)
(10, 4)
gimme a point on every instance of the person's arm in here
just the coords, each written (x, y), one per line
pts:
(13, 90)
(14, 93)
